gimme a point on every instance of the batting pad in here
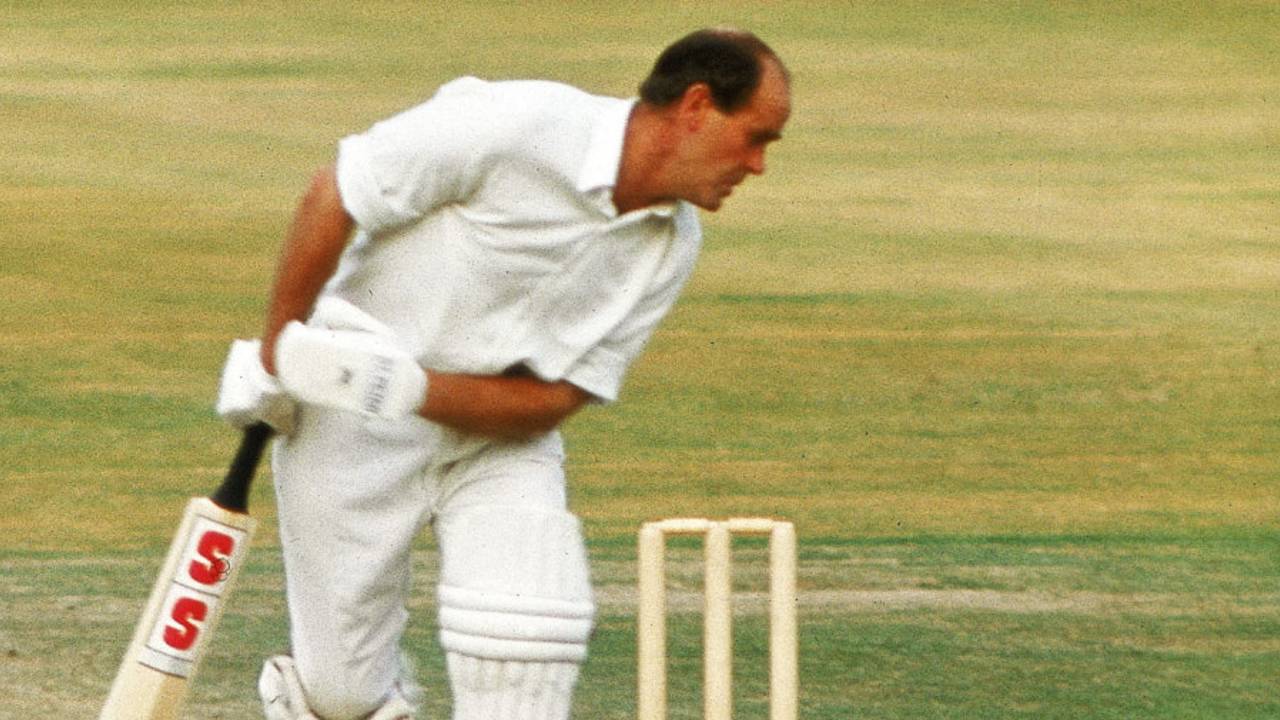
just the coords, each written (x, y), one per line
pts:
(514, 585)
(510, 690)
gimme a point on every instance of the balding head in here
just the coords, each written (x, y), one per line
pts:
(729, 62)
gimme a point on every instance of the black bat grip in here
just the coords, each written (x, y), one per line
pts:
(233, 493)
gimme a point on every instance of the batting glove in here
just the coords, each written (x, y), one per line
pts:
(353, 370)
(248, 394)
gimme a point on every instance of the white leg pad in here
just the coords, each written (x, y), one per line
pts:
(514, 585)
(510, 690)
(516, 611)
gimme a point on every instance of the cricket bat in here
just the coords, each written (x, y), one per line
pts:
(203, 562)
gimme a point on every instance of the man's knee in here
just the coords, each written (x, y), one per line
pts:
(339, 704)
(291, 691)
(348, 693)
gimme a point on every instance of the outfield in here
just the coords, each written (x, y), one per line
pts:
(998, 330)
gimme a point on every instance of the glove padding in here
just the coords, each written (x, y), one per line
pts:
(354, 370)
(248, 394)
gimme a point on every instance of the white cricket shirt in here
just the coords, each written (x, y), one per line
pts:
(487, 236)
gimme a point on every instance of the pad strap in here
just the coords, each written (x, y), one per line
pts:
(512, 627)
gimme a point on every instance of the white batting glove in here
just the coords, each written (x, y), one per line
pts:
(247, 394)
(351, 370)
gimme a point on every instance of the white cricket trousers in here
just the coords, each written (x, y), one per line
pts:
(353, 493)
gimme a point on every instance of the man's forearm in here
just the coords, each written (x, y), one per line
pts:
(512, 408)
(320, 229)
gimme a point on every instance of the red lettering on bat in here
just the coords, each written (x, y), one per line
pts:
(210, 566)
(186, 612)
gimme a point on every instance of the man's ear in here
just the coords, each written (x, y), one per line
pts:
(694, 105)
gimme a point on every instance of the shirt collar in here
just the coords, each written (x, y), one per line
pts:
(599, 171)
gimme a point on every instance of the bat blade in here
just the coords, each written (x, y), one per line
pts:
(188, 597)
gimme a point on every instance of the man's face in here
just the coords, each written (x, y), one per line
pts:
(726, 148)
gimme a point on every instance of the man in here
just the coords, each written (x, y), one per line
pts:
(516, 244)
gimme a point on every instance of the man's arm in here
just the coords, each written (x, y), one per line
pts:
(364, 372)
(504, 407)
(316, 239)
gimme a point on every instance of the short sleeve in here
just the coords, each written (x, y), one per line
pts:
(423, 158)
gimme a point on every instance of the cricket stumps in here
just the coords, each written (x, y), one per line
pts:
(717, 615)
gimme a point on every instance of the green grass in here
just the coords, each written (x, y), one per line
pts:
(998, 330)
(937, 626)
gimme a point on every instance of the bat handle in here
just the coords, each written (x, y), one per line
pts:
(233, 493)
